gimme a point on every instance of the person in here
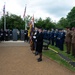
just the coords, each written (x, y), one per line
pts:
(36, 32)
(26, 35)
(55, 37)
(73, 42)
(40, 44)
(2, 35)
(61, 37)
(68, 40)
(52, 37)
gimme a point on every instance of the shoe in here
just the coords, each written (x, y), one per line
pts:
(36, 54)
(39, 60)
(68, 52)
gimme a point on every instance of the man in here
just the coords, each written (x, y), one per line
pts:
(40, 44)
(60, 38)
(36, 32)
(55, 37)
(52, 37)
(68, 40)
(73, 42)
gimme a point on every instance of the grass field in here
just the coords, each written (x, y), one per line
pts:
(51, 54)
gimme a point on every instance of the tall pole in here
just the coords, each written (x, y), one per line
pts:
(25, 16)
(4, 17)
(25, 24)
(4, 22)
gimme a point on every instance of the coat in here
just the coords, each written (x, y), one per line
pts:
(39, 42)
(73, 37)
(68, 37)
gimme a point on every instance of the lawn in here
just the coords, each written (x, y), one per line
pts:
(53, 55)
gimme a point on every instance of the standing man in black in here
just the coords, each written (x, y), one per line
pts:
(40, 44)
(52, 37)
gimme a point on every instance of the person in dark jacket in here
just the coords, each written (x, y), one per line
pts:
(40, 44)
(52, 37)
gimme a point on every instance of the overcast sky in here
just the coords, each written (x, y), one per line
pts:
(55, 9)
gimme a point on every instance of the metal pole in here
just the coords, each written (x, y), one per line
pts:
(4, 22)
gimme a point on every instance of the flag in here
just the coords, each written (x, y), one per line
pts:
(32, 21)
(4, 10)
(24, 12)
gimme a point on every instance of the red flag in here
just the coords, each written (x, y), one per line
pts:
(24, 12)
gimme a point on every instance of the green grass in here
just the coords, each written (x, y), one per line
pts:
(57, 58)
(63, 52)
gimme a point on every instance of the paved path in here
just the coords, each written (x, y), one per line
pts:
(17, 59)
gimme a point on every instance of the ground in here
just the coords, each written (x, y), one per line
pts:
(16, 58)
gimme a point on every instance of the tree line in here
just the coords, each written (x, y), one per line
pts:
(14, 21)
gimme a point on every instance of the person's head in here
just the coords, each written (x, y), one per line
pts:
(67, 28)
(40, 30)
(36, 28)
(73, 28)
(60, 30)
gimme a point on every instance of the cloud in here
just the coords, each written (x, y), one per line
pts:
(55, 9)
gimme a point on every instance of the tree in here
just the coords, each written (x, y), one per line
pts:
(45, 24)
(71, 18)
(12, 21)
(62, 23)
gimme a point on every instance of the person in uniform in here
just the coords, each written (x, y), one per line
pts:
(0, 35)
(55, 37)
(68, 40)
(73, 42)
(11, 35)
(52, 37)
(6, 35)
(61, 38)
(26, 35)
(40, 44)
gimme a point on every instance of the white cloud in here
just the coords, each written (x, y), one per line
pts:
(55, 9)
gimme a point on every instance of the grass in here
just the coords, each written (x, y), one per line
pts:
(57, 58)
(63, 52)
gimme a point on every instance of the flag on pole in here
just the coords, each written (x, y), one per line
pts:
(32, 21)
(24, 12)
(4, 10)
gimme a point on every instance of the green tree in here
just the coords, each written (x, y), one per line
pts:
(45, 24)
(12, 21)
(62, 23)
(71, 18)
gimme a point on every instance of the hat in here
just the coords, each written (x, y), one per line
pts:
(68, 27)
(60, 29)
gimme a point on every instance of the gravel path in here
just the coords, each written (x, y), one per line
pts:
(17, 59)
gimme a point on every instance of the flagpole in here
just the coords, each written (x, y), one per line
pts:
(25, 24)
(4, 17)
(4, 22)
(25, 17)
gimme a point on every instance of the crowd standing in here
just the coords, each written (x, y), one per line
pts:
(56, 37)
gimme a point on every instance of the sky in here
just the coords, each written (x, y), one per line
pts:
(55, 9)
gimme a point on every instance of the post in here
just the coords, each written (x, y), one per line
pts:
(4, 22)
(25, 24)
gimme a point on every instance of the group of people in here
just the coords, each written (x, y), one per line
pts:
(36, 42)
(70, 41)
(57, 37)
(5, 35)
